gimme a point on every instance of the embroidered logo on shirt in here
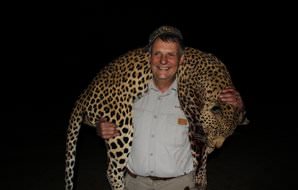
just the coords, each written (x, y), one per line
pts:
(182, 121)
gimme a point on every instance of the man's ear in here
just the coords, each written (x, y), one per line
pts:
(149, 58)
(181, 60)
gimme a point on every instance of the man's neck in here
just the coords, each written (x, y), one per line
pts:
(163, 85)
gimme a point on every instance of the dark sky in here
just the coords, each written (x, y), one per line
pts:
(67, 43)
(256, 42)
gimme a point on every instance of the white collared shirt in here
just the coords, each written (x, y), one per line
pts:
(161, 145)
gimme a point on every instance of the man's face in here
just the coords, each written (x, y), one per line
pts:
(165, 58)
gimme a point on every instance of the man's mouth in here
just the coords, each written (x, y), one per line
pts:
(163, 68)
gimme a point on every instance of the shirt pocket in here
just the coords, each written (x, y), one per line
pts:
(138, 121)
(176, 132)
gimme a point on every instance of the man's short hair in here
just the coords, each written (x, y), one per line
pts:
(165, 30)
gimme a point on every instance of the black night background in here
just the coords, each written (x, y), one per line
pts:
(258, 43)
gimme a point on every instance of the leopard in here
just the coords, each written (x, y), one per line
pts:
(116, 86)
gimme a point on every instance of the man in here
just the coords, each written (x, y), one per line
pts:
(160, 158)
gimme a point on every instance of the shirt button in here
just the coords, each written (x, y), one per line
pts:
(152, 136)
(155, 116)
(151, 154)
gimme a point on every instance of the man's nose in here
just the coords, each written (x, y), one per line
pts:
(164, 59)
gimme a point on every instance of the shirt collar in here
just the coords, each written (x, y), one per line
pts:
(173, 86)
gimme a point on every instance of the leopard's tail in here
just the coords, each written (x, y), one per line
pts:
(72, 134)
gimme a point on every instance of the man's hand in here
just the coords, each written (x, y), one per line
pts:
(106, 130)
(231, 96)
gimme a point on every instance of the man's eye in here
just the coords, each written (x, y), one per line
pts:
(156, 54)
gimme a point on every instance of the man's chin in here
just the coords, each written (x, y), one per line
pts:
(165, 78)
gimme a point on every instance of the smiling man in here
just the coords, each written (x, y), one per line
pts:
(160, 156)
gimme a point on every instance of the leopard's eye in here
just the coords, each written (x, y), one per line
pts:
(216, 109)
